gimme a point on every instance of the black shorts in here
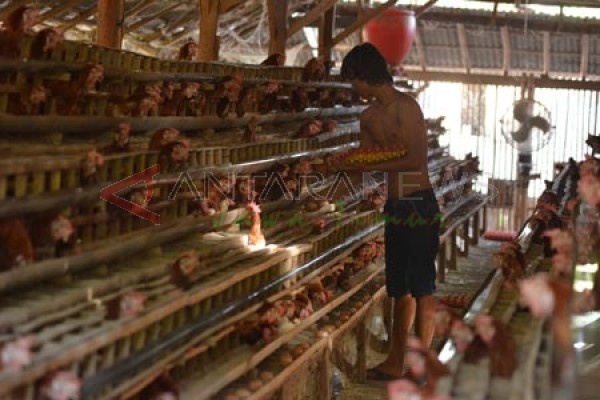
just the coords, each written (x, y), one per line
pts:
(412, 238)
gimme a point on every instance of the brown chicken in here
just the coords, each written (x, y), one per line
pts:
(16, 248)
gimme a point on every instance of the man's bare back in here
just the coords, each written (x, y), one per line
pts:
(400, 121)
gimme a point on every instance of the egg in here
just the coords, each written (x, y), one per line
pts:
(286, 359)
(322, 333)
(266, 376)
(254, 385)
(243, 393)
(297, 351)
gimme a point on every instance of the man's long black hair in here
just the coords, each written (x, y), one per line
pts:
(364, 62)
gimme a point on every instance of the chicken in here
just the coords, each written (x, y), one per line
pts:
(250, 131)
(180, 100)
(120, 142)
(126, 305)
(275, 59)
(593, 142)
(299, 100)
(22, 19)
(255, 236)
(60, 385)
(550, 297)
(501, 346)
(183, 268)
(188, 52)
(18, 22)
(403, 389)
(174, 156)
(227, 93)
(424, 366)
(314, 70)
(443, 319)
(44, 42)
(562, 243)
(511, 261)
(89, 168)
(309, 129)
(16, 248)
(163, 137)
(62, 232)
(16, 355)
(70, 93)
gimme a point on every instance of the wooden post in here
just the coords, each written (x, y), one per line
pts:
(475, 238)
(277, 25)
(209, 20)
(326, 28)
(361, 351)
(110, 23)
(441, 263)
(325, 375)
(466, 238)
(453, 248)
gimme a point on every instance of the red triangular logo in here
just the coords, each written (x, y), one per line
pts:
(109, 194)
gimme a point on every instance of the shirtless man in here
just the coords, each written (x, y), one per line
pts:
(395, 118)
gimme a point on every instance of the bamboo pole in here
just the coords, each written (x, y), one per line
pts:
(90, 125)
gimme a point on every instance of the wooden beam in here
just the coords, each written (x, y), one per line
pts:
(361, 10)
(464, 47)
(82, 17)
(277, 10)
(228, 5)
(546, 54)
(312, 15)
(326, 29)
(505, 36)
(485, 79)
(110, 17)
(420, 50)
(360, 21)
(424, 8)
(568, 3)
(140, 7)
(145, 20)
(209, 21)
(57, 10)
(585, 55)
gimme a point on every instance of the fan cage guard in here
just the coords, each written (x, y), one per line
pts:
(510, 124)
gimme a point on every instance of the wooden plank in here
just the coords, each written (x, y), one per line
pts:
(228, 5)
(585, 55)
(209, 21)
(326, 29)
(277, 10)
(316, 12)
(110, 23)
(464, 47)
(505, 36)
(363, 19)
